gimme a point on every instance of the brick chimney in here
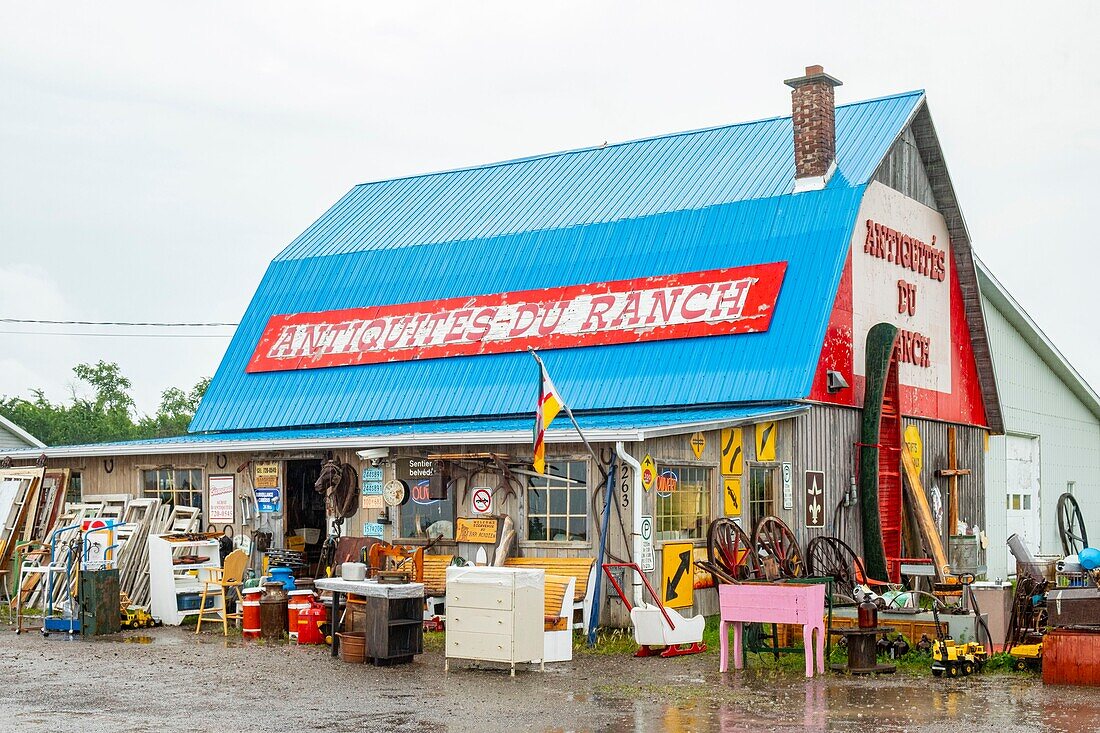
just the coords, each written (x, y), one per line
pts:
(812, 112)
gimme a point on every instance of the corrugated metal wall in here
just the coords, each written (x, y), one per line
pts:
(825, 440)
(1038, 403)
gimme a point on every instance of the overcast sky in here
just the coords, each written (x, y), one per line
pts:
(155, 157)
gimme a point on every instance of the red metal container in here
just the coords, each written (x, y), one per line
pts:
(309, 623)
(298, 601)
(1071, 657)
(250, 610)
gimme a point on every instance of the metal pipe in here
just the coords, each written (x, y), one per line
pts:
(636, 502)
(597, 594)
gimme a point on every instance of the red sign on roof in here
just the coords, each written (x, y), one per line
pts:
(688, 305)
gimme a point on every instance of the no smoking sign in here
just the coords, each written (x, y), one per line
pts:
(482, 500)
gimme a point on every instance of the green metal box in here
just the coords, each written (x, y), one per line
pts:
(99, 602)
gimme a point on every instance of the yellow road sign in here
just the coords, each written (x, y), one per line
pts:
(765, 440)
(698, 444)
(733, 457)
(649, 472)
(915, 445)
(677, 586)
(731, 495)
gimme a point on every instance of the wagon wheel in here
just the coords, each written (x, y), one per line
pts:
(731, 550)
(830, 556)
(1071, 525)
(777, 548)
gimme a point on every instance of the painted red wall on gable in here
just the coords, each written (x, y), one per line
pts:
(964, 405)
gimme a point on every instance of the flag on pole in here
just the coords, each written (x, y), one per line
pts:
(549, 405)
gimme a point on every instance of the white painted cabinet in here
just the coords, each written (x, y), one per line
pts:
(495, 614)
(173, 583)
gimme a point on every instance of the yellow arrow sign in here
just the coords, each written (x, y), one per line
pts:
(733, 459)
(765, 441)
(677, 586)
(649, 472)
(731, 496)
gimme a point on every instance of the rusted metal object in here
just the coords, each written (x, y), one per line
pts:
(1074, 607)
(273, 611)
(777, 549)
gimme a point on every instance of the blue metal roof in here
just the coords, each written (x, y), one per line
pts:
(617, 426)
(693, 201)
(688, 170)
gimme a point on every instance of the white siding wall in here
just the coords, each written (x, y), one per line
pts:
(10, 440)
(1037, 403)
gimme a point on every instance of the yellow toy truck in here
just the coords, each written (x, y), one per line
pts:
(1027, 655)
(136, 617)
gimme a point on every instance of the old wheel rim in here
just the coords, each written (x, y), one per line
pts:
(778, 550)
(1071, 525)
(732, 550)
(832, 557)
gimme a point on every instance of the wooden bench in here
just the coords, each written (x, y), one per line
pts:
(557, 645)
(435, 584)
(581, 569)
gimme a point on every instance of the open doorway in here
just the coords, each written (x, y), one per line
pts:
(305, 508)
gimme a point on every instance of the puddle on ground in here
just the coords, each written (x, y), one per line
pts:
(749, 703)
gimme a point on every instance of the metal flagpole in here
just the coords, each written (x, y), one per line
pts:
(569, 412)
(608, 477)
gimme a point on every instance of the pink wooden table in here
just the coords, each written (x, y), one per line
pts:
(776, 603)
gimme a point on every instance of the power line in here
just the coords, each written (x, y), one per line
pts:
(114, 323)
(125, 335)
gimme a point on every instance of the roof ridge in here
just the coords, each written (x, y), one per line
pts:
(621, 143)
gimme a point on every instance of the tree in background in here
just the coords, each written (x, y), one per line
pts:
(175, 412)
(106, 415)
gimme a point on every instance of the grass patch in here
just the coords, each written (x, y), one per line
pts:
(434, 641)
(620, 642)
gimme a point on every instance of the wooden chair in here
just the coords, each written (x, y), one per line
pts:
(230, 575)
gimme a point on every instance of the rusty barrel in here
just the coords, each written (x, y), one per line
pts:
(273, 611)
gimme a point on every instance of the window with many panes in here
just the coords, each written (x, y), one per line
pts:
(761, 493)
(177, 486)
(557, 504)
(74, 492)
(683, 503)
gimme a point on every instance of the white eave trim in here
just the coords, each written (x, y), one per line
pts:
(20, 432)
(515, 437)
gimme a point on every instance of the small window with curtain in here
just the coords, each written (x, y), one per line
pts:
(175, 486)
(557, 504)
(683, 503)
